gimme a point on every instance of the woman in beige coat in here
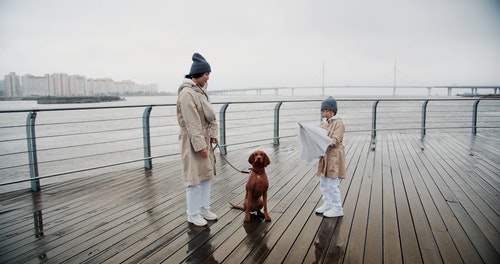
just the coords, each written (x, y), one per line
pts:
(198, 130)
(331, 167)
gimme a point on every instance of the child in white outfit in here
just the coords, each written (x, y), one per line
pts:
(331, 167)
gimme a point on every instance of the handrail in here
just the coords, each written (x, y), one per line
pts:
(32, 152)
(424, 118)
(374, 119)
(277, 123)
(269, 121)
(474, 117)
(222, 129)
(148, 161)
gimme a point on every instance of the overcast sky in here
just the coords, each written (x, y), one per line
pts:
(260, 43)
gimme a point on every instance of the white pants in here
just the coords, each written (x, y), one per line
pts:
(330, 191)
(198, 197)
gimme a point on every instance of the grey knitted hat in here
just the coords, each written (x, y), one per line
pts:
(200, 65)
(330, 104)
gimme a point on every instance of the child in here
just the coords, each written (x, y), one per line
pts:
(331, 167)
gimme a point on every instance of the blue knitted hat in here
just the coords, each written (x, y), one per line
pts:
(200, 65)
(329, 104)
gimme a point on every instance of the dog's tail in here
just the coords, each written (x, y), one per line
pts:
(236, 206)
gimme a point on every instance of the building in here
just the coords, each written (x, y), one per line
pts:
(77, 85)
(35, 85)
(12, 85)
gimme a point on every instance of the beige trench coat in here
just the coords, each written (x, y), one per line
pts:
(197, 124)
(332, 165)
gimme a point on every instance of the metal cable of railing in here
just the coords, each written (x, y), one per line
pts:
(87, 139)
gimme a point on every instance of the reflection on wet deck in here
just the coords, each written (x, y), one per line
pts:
(406, 201)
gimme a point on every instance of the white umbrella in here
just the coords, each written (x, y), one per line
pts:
(312, 141)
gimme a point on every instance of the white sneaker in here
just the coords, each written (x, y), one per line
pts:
(333, 213)
(197, 219)
(325, 207)
(208, 215)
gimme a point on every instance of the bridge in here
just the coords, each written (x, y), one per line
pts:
(474, 89)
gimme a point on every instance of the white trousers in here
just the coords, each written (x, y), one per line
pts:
(198, 197)
(330, 191)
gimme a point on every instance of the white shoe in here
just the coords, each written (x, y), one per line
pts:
(208, 215)
(197, 219)
(333, 213)
(325, 207)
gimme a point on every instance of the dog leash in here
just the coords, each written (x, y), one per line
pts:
(224, 157)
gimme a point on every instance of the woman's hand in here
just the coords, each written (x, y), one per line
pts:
(204, 153)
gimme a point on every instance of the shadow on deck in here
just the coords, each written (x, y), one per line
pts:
(405, 201)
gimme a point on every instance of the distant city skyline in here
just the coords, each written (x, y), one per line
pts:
(63, 84)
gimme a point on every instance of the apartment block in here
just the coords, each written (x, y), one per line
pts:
(35, 85)
(12, 85)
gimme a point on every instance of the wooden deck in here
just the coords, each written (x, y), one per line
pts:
(405, 201)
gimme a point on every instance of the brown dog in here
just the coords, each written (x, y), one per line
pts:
(256, 188)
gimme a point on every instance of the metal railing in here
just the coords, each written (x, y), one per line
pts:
(68, 141)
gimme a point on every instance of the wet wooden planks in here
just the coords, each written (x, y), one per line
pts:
(406, 200)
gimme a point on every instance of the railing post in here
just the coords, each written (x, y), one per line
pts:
(474, 117)
(424, 117)
(146, 132)
(32, 156)
(374, 120)
(277, 123)
(222, 129)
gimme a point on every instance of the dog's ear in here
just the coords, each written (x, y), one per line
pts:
(251, 158)
(267, 161)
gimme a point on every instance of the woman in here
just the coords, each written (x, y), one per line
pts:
(198, 130)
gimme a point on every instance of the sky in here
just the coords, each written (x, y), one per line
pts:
(260, 43)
